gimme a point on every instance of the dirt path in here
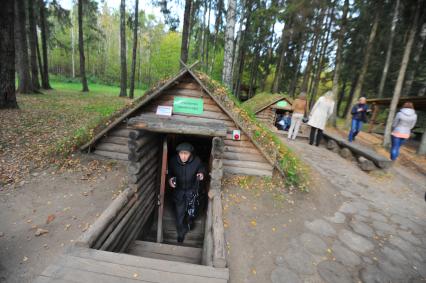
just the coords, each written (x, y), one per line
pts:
(351, 227)
(72, 199)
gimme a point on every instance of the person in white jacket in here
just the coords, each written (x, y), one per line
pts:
(319, 115)
(404, 121)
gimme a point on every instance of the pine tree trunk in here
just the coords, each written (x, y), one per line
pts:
(340, 99)
(81, 46)
(358, 88)
(32, 39)
(351, 95)
(218, 23)
(338, 64)
(285, 38)
(24, 82)
(7, 56)
(135, 46)
(312, 52)
(40, 63)
(415, 63)
(185, 32)
(389, 51)
(227, 73)
(300, 51)
(123, 62)
(45, 77)
(323, 51)
(401, 75)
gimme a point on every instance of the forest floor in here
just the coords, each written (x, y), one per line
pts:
(351, 226)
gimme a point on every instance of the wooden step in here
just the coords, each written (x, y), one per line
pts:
(89, 265)
(166, 252)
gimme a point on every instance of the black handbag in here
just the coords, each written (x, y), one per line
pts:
(194, 201)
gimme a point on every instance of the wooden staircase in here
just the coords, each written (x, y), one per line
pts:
(193, 238)
(166, 252)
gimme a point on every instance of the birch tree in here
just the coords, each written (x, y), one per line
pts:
(229, 44)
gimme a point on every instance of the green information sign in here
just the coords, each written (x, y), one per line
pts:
(282, 103)
(188, 105)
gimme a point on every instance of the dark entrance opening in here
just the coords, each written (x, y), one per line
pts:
(279, 113)
(191, 249)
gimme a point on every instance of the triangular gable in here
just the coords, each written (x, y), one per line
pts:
(145, 99)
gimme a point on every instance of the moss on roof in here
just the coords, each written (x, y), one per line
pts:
(284, 159)
(262, 100)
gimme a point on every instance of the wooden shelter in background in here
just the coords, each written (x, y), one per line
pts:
(267, 106)
(240, 156)
(419, 102)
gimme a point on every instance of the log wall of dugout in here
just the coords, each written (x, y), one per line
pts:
(122, 222)
(267, 116)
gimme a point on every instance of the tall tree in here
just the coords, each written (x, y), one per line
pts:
(415, 62)
(218, 23)
(186, 31)
(24, 78)
(363, 72)
(227, 73)
(135, 45)
(401, 75)
(81, 47)
(313, 50)
(123, 61)
(32, 38)
(7, 56)
(338, 61)
(389, 50)
(45, 83)
(285, 38)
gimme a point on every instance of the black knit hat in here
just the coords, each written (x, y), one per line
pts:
(185, 147)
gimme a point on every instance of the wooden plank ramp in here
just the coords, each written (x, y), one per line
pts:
(89, 265)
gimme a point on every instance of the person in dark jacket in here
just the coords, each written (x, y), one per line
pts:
(359, 116)
(185, 171)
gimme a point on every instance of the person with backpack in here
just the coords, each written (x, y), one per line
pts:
(359, 116)
(404, 121)
(185, 171)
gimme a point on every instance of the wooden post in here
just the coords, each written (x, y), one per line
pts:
(162, 188)
(373, 117)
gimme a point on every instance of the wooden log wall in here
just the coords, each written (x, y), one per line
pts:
(114, 145)
(267, 116)
(214, 246)
(122, 222)
(240, 157)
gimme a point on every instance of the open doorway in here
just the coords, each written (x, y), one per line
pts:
(195, 237)
(282, 119)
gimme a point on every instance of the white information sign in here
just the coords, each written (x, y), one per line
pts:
(164, 110)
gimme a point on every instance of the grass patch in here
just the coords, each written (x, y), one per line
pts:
(49, 126)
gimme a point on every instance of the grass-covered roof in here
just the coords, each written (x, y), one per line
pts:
(262, 100)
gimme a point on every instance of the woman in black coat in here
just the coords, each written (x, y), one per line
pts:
(185, 172)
